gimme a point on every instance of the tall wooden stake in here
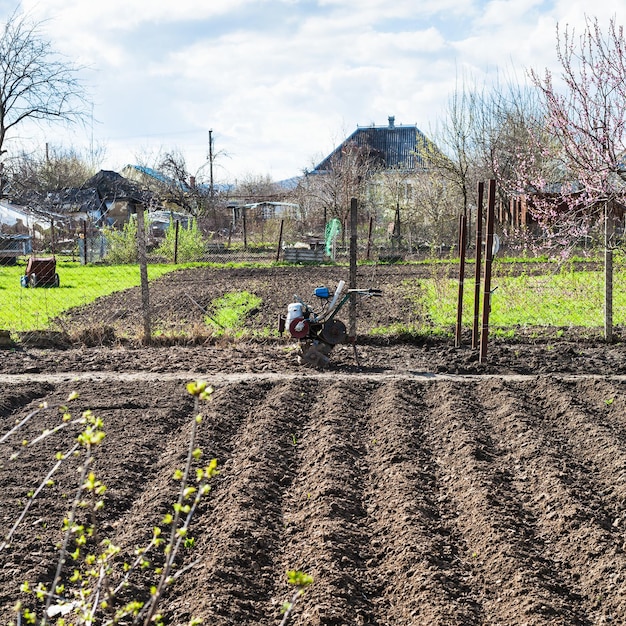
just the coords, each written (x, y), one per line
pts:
(280, 240)
(176, 233)
(85, 242)
(484, 333)
(459, 310)
(608, 275)
(352, 279)
(479, 244)
(143, 273)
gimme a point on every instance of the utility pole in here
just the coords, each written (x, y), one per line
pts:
(211, 187)
(211, 191)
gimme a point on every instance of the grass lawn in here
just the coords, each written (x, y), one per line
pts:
(561, 300)
(24, 309)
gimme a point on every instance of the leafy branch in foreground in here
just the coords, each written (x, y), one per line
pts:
(90, 591)
(301, 581)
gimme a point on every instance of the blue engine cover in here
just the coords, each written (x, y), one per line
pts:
(321, 292)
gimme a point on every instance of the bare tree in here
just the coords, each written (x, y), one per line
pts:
(346, 176)
(587, 118)
(256, 188)
(46, 183)
(36, 83)
(454, 156)
(59, 168)
(177, 186)
(485, 135)
(432, 217)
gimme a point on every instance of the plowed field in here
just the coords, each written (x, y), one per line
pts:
(417, 485)
(410, 499)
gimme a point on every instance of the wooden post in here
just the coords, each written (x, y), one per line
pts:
(608, 274)
(85, 242)
(369, 237)
(176, 241)
(52, 235)
(143, 273)
(353, 258)
(484, 333)
(280, 240)
(479, 244)
(459, 311)
(245, 229)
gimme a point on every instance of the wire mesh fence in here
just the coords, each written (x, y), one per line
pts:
(100, 296)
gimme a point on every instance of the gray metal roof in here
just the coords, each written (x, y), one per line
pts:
(389, 147)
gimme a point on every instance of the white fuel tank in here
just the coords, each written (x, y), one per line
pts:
(294, 310)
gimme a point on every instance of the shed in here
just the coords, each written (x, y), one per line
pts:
(13, 246)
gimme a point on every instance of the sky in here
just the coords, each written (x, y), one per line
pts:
(279, 83)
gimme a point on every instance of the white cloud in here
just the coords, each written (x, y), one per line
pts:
(281, 81)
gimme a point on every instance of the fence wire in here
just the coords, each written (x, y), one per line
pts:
(99, 297)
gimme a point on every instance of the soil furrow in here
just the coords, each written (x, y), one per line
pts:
(326, 522)
(512, 576)
(13, 399)
(415, 548)
(547, 479)
(240, 533)
(584, 499)
(461, 501)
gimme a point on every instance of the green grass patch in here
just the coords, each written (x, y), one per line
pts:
(25, 309)
(229, 312)
(563, 299)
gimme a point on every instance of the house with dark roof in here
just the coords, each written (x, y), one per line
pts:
(391, 147)
(106, 199)
(382, 165)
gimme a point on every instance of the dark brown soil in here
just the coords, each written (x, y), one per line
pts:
(420, 488)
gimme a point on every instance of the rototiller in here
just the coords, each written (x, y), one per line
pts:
(319, 333)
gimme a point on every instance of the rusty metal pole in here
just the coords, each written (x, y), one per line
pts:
(459, 310)
(280, 240)
(484, 332)
(479, 243)
(143, 273)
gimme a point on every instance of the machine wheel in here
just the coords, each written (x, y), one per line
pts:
(33, 280)
(57, 281)
(303, 332)
(334, 332)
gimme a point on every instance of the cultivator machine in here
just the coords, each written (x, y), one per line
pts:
(319, 332)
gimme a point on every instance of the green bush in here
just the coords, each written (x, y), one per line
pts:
(122, 244)
(190, 243)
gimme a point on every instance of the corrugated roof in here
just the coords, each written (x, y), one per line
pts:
(391, 147)
(112, 186)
